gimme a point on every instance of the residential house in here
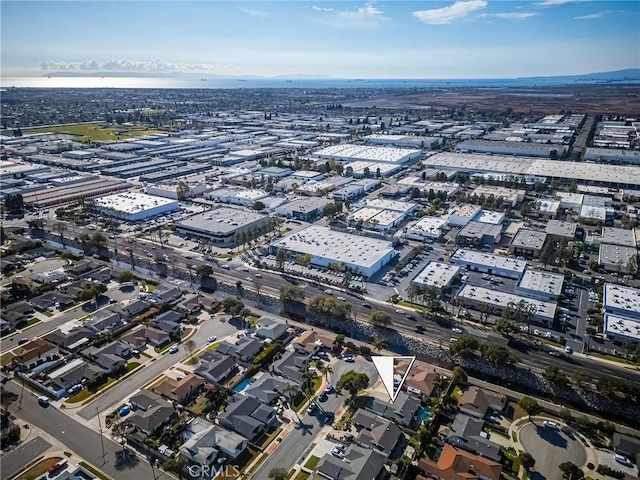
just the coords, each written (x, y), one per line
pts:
(104, 321)
(180, 391)
(216, 367)
(378, 433)
(34, 353)
(404, 411)
(268, 389)
(50, 299)
(270, 329)
(209, 442)
(478, 402)
(83, 267)
(191, 306)
(5, 327)
(169, 322)
(110, 356)
(244, 350)
(466, 433)
(73, 339)
(420, 381)
(291, 365)
(627, 446)
(311, 342)
(133, 308)
(154, 417)
(457, 464)
(18, 314)
(144, 335)
(165, 294)
(358, 464)
(247, 416)
(144, 400)
(74, 373)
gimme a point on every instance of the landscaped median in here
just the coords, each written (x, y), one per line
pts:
(113, 379)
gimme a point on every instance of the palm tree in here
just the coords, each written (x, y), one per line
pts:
(60, 227)
(325, 370)
(378, 344)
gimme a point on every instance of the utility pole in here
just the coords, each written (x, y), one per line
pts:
(101, 436)
(21, 393)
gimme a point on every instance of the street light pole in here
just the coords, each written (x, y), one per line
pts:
(101, 436)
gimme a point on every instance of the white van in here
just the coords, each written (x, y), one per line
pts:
(43, 400)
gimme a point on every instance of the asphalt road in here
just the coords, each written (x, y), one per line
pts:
(19, 458)
(80, 439)
(106, 402)
(296, 443)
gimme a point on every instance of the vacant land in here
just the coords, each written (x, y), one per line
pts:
(595, 99)
(92, 132)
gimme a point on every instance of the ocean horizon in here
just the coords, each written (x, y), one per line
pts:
(310, 84)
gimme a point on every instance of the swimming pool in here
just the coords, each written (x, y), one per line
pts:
(424, 414)
(244, 384)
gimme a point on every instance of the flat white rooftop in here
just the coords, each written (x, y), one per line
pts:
(394, 205)
(560, 228)
(544, 282)
(366, 152)
(618, 325)
(429, 225)
(464, 256)
(491, 217)
(221, 220)
(436, 274)
(501, 300)
(337, 246)
(133, 202)
(618, 236)
(532, 239)
(465, 210)
(622, 298)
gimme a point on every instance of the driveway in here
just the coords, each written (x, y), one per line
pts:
(361, 366)
(550, 448)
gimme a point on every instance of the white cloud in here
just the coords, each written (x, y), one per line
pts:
(368, 16)
(552, 3)
(442, 16)
(133, 66)
(509, 15)
(592, 16)
(322, 9)
(254, 13)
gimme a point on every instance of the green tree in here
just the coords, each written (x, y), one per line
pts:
(379, 319)
(182, 190)
(458, 375)
(304, 260)
(292, 294)
(125, 276)
(431, 297)
(281, 258)
(565, 414)
(330, 209)
(378, 344)
(506, 327)
(353, 382)
(527, 461)
(465, 346)
(554, 375)
(530, 405)
(278, 473)
(232, 305)
(338, 343)
(258, 205)
(570, 471)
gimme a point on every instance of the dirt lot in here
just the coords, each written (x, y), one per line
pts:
(594, 99)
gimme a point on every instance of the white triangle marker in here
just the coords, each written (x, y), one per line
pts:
(385, 365)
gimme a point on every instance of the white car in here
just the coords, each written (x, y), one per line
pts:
(550, 424)
(453, 340)
(212, 339)
(457, 330)
(173, 350)
(622, 460)
(328, 291)
(337, 453)
(342, 299)
(400, 311)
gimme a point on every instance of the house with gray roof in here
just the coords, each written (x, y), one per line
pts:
(244, 350)
(247, 416)
(104, 320)
(271, 329)
(165, 294)
(404, 411)
(290, 365)
(150, 420)
(378, 433)
(216, 367)
(72, 340)
(358, 464)
(466, 433)
(206, 445)
(268, 389)
(110, 356)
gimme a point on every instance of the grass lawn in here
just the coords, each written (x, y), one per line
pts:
(95, 471)
(517, 410)
(270, 437)
(343, 421)
(6, 358)
(457, 393)
(312, 463)
(511, 454)
(298, 402)
(95, 131)
(607, 357)
(39, 468)
(164, 348)
(213, 346)
(86, 393)
(302, 475)
(149, 288)
(198, 406)
(192, 360)
(244, 459)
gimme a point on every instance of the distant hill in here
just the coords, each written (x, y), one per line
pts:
(628, 74)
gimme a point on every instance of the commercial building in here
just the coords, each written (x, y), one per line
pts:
(426, 227)
(406, 208)
(616, 258)
(540, 285)
(558, 230)
(510, 196)
(460, 215)
(618, 236)
(513, 148)
(306, 209)
(593, 215)
(377, 219)
(622, 307)
(491, 217)
(477, 234)
(349, 152)
(527, 243)
(568, 200)
(612, 155)
(72, 193)
(221, 225)
(361, 254)
(546, 208)
(436, 274)
(499, 301)
(489, 263)
(133, 206)
(237, 196)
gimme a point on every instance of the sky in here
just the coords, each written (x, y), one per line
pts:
(345, 39)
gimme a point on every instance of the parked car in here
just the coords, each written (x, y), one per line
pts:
(212, 339)
(349, 359)
(622, 460)
(337, 453)
(550, 424)
(457, 330)
(173, 349)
